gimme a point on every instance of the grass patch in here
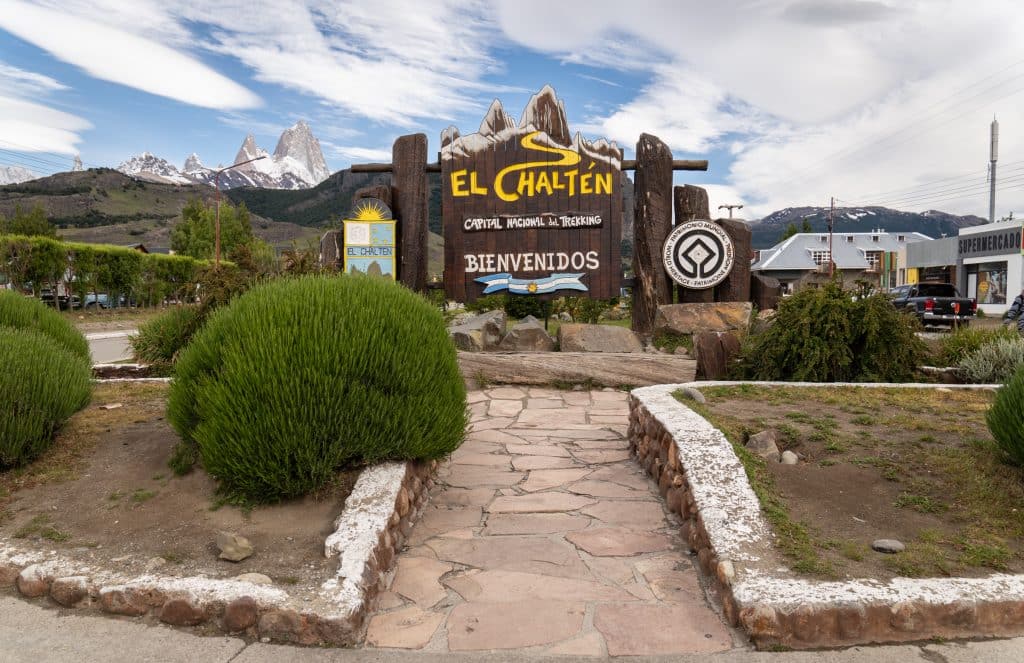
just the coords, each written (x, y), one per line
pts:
(142, 495)
(919, 503)
(40, 527)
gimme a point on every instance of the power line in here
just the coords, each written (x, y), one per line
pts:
(975, 185)
(953, 195)
(938, 183)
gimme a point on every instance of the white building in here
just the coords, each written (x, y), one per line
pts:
(989, 264)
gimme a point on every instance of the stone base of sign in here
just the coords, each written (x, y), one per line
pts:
(122, 371)
(598, 338)
(606, 369)
(704, 482)
(695, 318)
(378, 515)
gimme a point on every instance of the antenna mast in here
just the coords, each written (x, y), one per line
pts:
(993, 154)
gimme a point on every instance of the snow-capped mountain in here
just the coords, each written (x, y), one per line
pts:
(297, 163)
(15, 175)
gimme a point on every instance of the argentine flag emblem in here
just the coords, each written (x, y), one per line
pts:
(548, 284)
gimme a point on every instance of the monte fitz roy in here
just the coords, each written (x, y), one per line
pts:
(297, 163)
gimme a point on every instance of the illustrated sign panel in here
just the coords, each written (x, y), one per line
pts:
(530, 209)
(698, 254)
(369, 240)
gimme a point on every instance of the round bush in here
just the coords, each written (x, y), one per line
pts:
(160, 339)
(994, 362)
(299, 377)
(41, 385)
(22, 312)
(1006, 418)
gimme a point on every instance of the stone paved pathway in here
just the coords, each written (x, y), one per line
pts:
(543, 535)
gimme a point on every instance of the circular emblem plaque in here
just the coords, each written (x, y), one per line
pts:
(698, 254)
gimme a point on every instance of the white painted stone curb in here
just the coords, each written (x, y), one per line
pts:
(737, 531)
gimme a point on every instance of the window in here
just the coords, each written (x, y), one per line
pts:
(872, 257)
(901, 238)
(823, 238)
(849, 238)
(874, 238)
(820, 257)
(986, 282)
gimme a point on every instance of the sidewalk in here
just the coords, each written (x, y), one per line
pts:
(543, 536)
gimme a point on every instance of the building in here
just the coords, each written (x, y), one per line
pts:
(804, 257)
(989, 264)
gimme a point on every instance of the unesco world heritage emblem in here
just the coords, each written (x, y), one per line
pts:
(698, 254)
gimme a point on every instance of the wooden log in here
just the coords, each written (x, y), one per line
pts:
(609, 369)
(627, 164)
(409, 198)
(381, 192)
(691, 202)
(736, 286)
(652, 221)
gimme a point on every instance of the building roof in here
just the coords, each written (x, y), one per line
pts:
(849, 250)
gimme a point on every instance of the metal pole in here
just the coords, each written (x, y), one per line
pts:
(831, 262)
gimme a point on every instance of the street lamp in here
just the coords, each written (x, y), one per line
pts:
(216, 185)
(730, 208)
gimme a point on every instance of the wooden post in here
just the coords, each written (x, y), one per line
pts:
(691, 202)
(409, 184)
(651, 224)
(381, 192)
(736, 286)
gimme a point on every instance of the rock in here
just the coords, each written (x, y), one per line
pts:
(682, 319)
(179, 612)
(33, 581)
(789, 458)
(69, 592)
(681, 350)
(241, 614)
(597, 338)
(888, 546)
(481, 332)
(254, 578)
(527, 335)
(762, 321)
(764, 444)
(693, 394)
(155, 563)
(234, 547)
(714, 351)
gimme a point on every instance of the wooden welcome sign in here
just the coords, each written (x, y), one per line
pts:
(529, 209)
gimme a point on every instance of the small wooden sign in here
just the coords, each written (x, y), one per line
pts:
(369, 240)
(530, 209)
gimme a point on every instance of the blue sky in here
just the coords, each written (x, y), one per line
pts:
(792, 101)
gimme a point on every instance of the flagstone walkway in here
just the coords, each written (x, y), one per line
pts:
(543, 535)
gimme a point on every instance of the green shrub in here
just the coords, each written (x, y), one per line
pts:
(825, 335)
(160, 339)
(955, 346)
(41, 385)
(299, 377)
(994, 362)
(20, 312)
(1006, 418)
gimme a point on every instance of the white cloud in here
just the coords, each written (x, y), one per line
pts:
(358, 154)
(122, 55)
(29, 126)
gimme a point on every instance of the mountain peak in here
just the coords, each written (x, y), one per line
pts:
(15, 175)
(299, 145)
(193, 164)
(546, 112)
(496, 120)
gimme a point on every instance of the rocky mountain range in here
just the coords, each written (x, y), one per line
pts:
(15, 175)
(297, 163)
(769, 231)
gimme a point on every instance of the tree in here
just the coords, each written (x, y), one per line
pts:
(791, 230)
(805, 227)
(30, 224)
(195, 235)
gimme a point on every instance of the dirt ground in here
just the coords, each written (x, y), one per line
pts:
(104, 495)
(913, 465)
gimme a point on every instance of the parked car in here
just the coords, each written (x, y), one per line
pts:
(935, 304)
(96, 300)
(61, 301)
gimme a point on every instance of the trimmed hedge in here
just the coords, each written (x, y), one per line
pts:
(1005, 418)
(994, 362)
(160, 339)
(299, 377)
(41, 385)
(20, 312)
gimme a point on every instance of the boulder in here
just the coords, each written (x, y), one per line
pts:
(598, 338)
(481, 332)
(764, 444)
(527, 335)
(682, 319)
(714, 351)
(789, 458)
(765, 291)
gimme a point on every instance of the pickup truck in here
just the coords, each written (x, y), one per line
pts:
(935, 304)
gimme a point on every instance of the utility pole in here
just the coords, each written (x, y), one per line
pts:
(831, 262)
(216, 185)
(993, 154)
(730, 208)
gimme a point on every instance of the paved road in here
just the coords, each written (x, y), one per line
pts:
(107, 347)
(33, 634)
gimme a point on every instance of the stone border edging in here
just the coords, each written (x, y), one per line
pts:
(703, 480)
(385, 503)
